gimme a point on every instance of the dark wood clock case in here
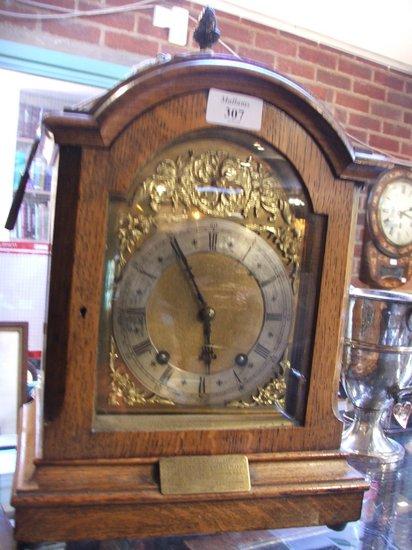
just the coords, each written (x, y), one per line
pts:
(76, 482)
(383, 264)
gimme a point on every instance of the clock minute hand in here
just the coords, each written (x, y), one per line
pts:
(206, 313)
(183, 260)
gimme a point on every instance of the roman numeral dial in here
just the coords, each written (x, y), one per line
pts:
(207, 324)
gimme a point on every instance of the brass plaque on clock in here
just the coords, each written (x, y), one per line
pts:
(185, 475)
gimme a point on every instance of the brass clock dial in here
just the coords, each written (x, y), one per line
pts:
(203, 312)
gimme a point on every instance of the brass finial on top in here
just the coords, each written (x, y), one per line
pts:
(207, 32)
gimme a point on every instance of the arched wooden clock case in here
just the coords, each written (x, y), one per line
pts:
(131, 161)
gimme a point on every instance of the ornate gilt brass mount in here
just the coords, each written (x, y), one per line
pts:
(124, 390)
(273, 393)
(213, 184)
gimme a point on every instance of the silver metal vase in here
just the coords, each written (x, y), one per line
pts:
(377, 367)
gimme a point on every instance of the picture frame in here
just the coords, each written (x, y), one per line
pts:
(13, 377)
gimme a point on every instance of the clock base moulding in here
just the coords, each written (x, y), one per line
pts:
(112, 498)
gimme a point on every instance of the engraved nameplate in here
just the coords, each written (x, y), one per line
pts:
(184, 475)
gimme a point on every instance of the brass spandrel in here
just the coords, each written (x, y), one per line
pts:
(243, 188)
(186, 475)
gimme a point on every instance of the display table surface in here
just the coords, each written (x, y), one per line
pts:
(386, 523)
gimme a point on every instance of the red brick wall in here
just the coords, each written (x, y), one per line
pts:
(371, 101)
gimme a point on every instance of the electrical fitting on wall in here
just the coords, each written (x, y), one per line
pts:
(176, 20)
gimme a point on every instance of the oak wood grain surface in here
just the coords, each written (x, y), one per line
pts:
(70, 434)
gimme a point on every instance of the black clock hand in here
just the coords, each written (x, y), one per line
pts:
(183, 261)
(207, 354)
(404, 213)
(206, 313)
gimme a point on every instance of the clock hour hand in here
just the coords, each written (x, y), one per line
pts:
(207, 354)
(405, 213)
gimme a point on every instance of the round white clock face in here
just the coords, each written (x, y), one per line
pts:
(395, 212)
(203, 312)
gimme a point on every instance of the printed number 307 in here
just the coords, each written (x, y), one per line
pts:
(233, 114)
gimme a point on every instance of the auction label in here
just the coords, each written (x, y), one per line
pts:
(235, 110)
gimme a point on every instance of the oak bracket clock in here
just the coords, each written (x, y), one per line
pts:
(388, 237)
(199, 277)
